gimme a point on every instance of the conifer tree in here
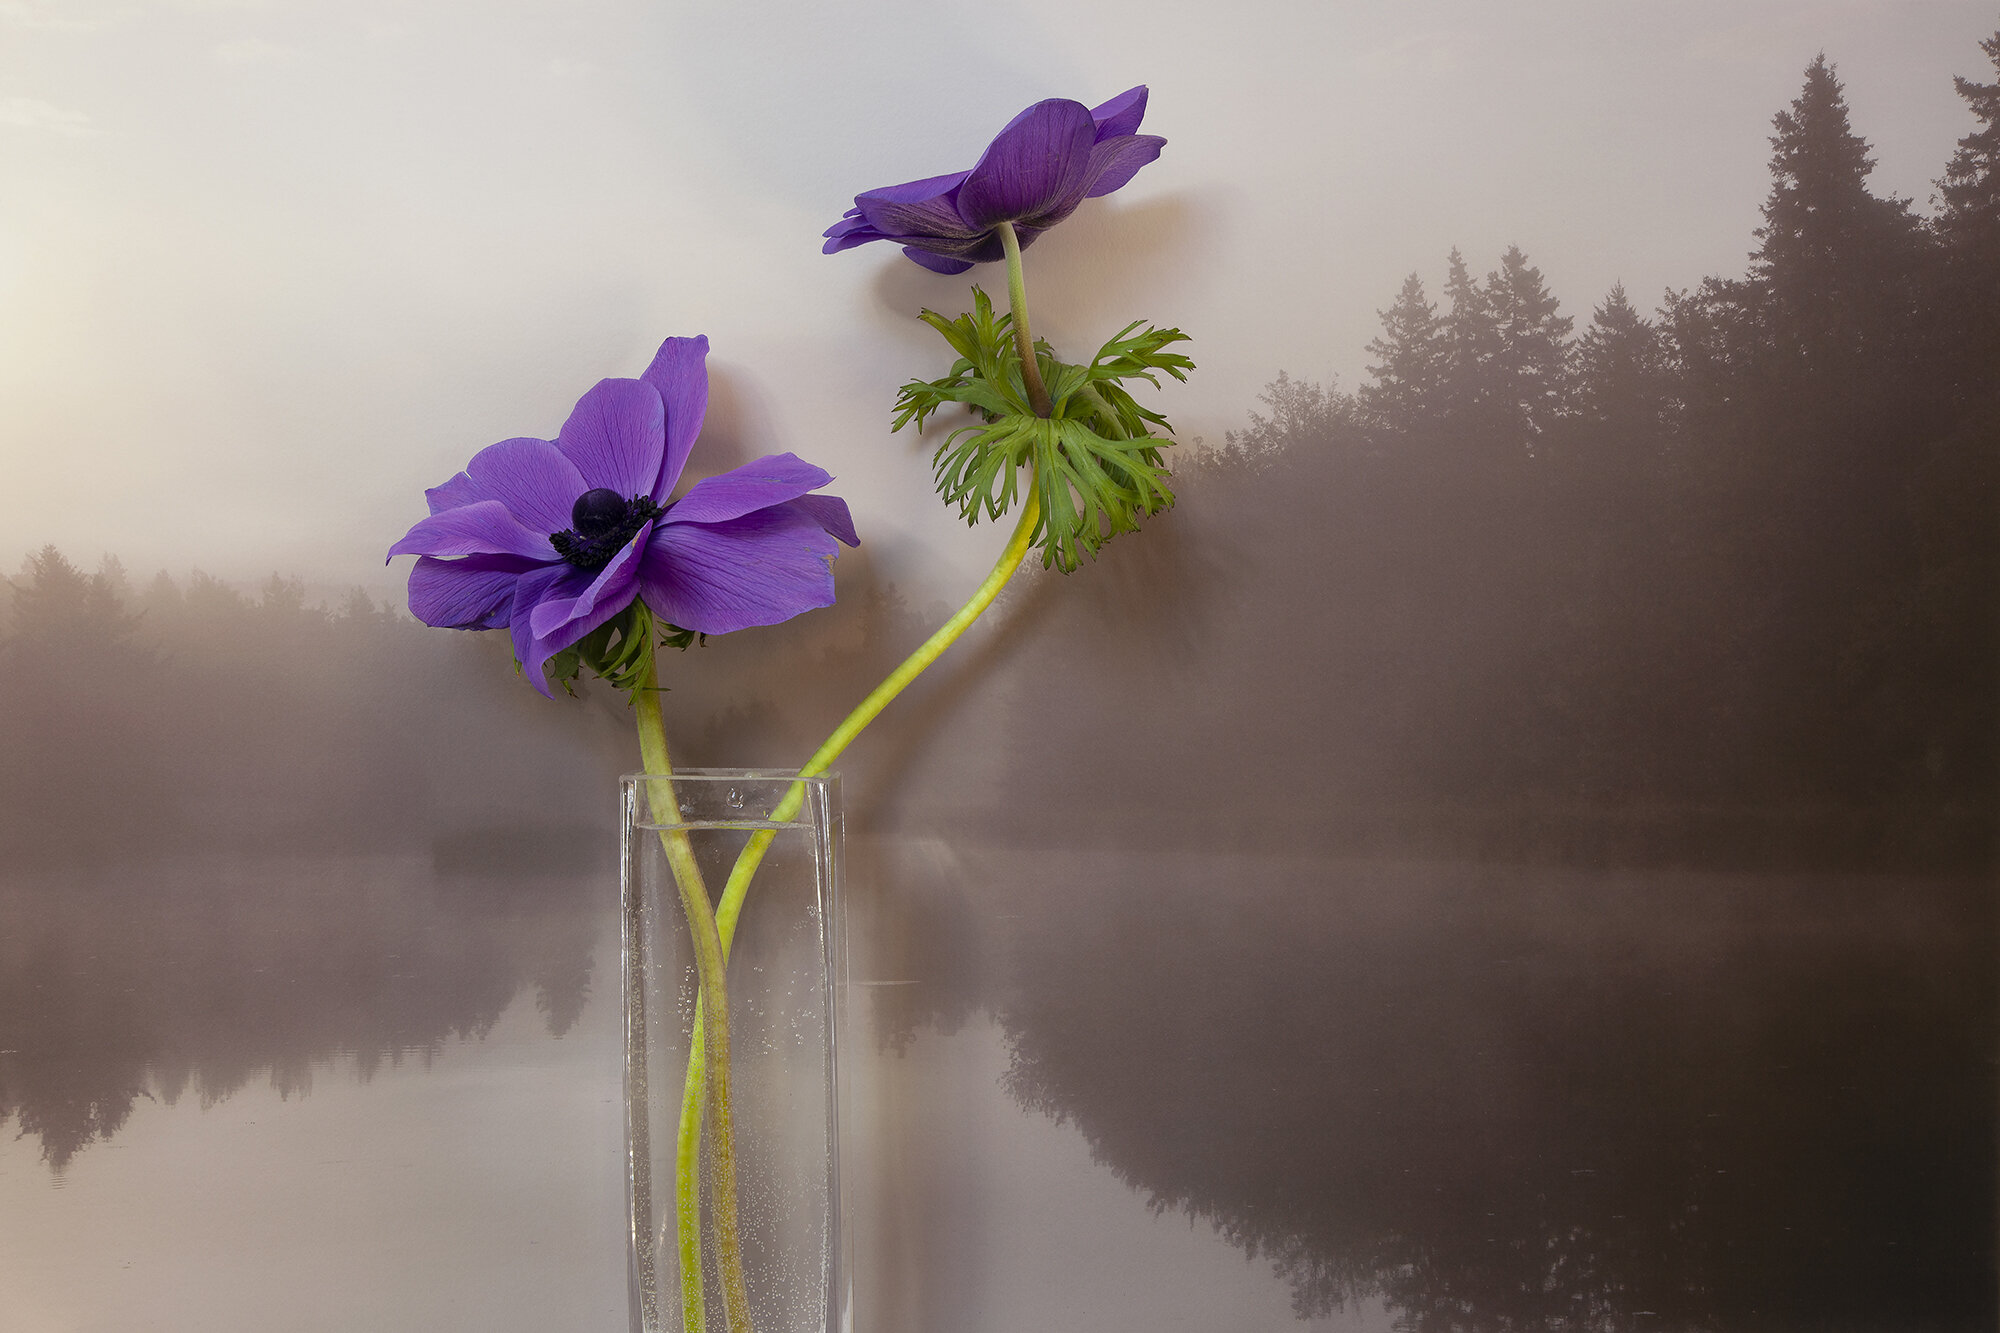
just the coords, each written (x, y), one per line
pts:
(117, 583)
(358, 608)
(162, 595)
(1530, 347)
(1965, 303)
(1970, 188)
(283, 598)
(1714, 339)
(1619, 384)
(1834, 260)
(1304, 415)
(49, 593)
(1410, 362)
(59, 610)
(1470, 342)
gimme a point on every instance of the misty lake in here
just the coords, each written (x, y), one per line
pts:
(1087, 1090)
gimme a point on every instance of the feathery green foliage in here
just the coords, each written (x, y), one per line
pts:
(617, 649)
(1096, 455)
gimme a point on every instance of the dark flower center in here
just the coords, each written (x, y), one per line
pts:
(602, 522)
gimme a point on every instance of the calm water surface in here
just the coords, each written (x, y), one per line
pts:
(1089, 1091)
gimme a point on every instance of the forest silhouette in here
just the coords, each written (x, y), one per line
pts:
(1713, 588)
(1717, 585)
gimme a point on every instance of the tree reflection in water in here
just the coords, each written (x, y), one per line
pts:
(1513, 1099)
(198, 976)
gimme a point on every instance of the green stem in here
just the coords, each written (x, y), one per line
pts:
(727, 912)
(1024, 341)
(712, 1057)
(752, 855)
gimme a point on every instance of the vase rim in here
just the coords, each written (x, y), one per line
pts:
(733, 774)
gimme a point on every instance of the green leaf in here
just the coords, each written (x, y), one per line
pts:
(619, 650)
(1097, 457)
(563, 669)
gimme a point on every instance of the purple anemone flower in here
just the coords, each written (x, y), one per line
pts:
(1049, 159)
(551, 539)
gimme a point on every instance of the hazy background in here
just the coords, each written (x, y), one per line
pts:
(268, 269)
(1513, 847)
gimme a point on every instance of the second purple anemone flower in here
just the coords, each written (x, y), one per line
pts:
(1049, 159)
(553, 538)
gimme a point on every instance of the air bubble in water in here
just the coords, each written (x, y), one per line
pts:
(735, 799)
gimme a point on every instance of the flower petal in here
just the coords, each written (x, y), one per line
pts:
(613, 587)
(941, 256)
(1035, 173)
(913, 192)
(850, 223)
(771, 480)
(484, 527)
(760, 569)
(616, 436)
(474, 593)
(530, 591)
(985, 248)
(971, 248)
(679, 374)
(935, 263)
(531, 477)
(830, 512)
(541, 650)
(1038, 159)
(914, 208)
(1120, 115)
(1113, 162)
(848, 240)
(897, 219)
(455, 493)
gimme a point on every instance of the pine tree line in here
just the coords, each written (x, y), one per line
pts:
(1720, 583)
(189, 714)
(1495, 361)
(1845, 290)
(1737, 561)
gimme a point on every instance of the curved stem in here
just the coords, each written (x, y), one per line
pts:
(711, 1056)
(1004, 569)
(731, 906)
(1024, 341)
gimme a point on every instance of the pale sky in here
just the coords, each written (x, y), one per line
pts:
(269, 269)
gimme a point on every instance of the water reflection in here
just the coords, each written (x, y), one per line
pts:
(193, 977)
(1505, 1099)
(1482, 1098)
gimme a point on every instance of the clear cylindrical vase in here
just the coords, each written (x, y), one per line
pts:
(785, 974)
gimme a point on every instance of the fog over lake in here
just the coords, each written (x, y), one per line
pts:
(1513, 847)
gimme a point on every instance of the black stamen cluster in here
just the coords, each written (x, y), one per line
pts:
(603, 522)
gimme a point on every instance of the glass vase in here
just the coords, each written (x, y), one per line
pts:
(785, 975)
